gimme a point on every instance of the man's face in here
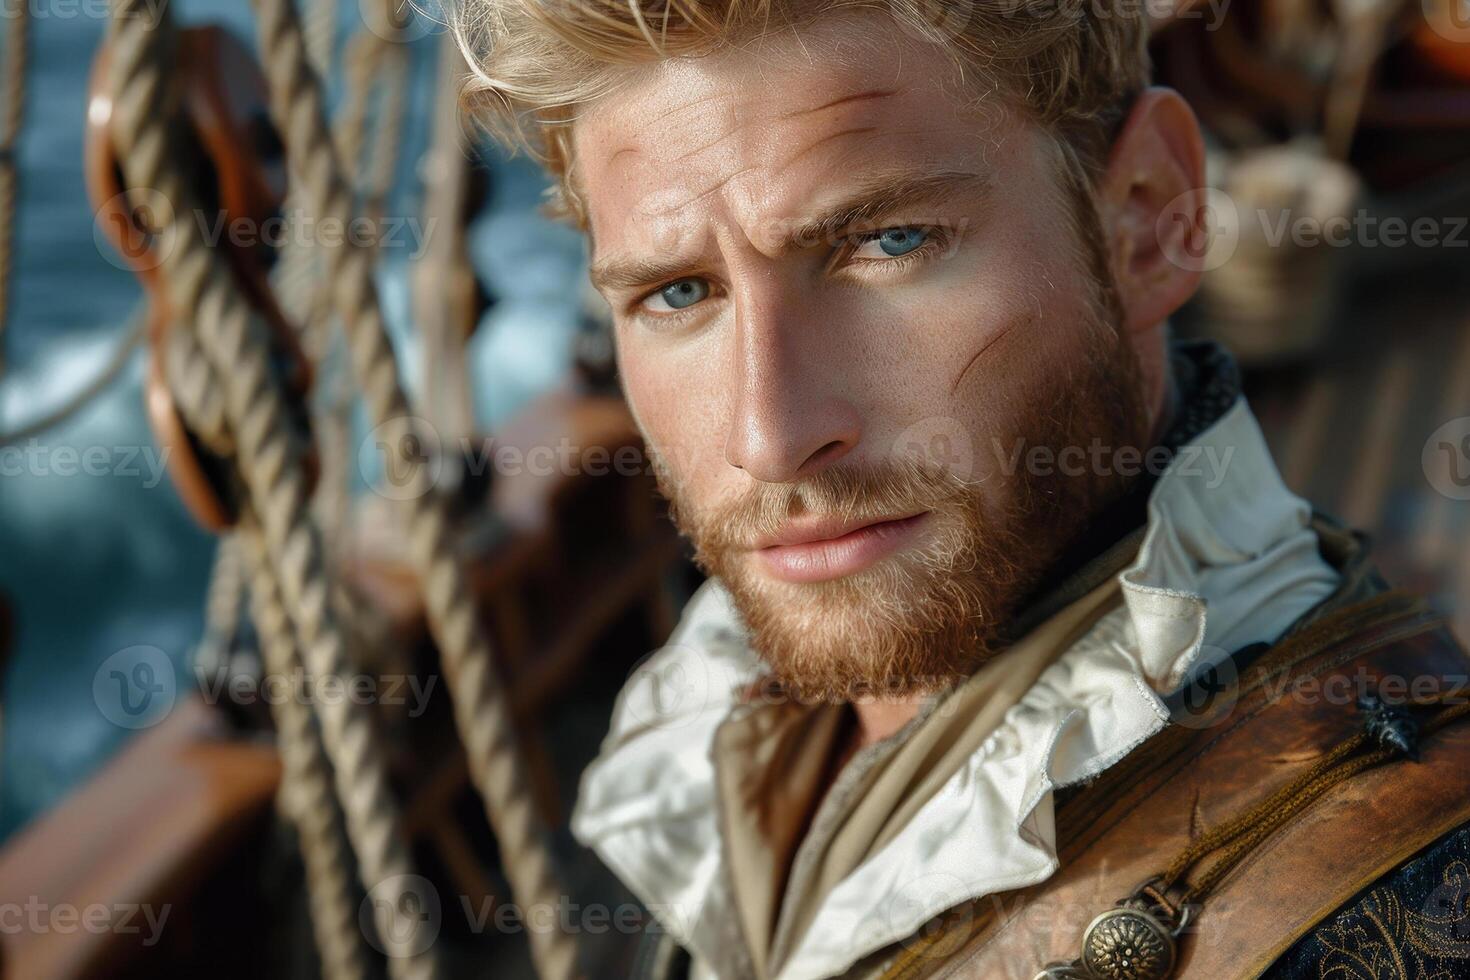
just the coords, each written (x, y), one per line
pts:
(845, 294)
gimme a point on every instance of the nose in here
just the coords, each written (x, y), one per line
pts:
(792, 417)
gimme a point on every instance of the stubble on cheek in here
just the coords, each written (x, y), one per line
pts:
(927, 617)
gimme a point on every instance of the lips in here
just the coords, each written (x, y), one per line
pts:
(821, 549)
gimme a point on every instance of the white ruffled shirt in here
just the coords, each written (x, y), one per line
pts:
(1227, 559)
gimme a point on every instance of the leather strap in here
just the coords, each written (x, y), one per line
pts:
(1293, 704)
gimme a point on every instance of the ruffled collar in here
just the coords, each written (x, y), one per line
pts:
(1227, 559)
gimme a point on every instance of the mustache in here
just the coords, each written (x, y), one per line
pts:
(857, 492)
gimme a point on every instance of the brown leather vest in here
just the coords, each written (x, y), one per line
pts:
(1290, 706)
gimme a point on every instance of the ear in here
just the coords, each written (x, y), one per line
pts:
(1152, 203)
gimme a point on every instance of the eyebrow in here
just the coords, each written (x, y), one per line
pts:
(875, 196)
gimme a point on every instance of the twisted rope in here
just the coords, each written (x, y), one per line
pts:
(307, 785)
(222, 601)
(321, 35)
(192, 382)
(297, 275)
(479, 705)
(374, 71)
(237, 345)
(306, 794)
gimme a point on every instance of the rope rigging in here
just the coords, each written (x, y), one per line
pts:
(308, 797)
(479, 704)
(224, 381)
(234, 343)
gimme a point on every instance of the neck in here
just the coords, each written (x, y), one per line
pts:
(879, 719)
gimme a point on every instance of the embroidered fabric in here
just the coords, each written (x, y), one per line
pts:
(1412, 923)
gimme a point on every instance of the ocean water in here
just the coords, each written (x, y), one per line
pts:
(100, 564)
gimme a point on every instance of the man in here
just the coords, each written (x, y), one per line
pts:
(890, 287)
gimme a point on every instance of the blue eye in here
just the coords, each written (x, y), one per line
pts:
(684, 293)
(898, 241)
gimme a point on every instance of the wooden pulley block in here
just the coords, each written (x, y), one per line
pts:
(236, 165)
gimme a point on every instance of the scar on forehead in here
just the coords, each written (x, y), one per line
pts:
(868, 96)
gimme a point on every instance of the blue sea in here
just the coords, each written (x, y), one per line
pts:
(97, 556)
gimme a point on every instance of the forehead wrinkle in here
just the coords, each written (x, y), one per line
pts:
(867, 96)
(637, 142)
(792, 160)
(718, 185)
(852, 131)
(736, 129)
(711, 97)
(731, 124)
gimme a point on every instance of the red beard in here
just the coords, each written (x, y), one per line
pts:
(928, 617)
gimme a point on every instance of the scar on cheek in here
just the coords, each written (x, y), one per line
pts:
(1021, 320)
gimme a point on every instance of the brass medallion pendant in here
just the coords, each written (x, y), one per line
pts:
(1128, 944)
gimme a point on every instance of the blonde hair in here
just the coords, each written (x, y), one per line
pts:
(1073, 65)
